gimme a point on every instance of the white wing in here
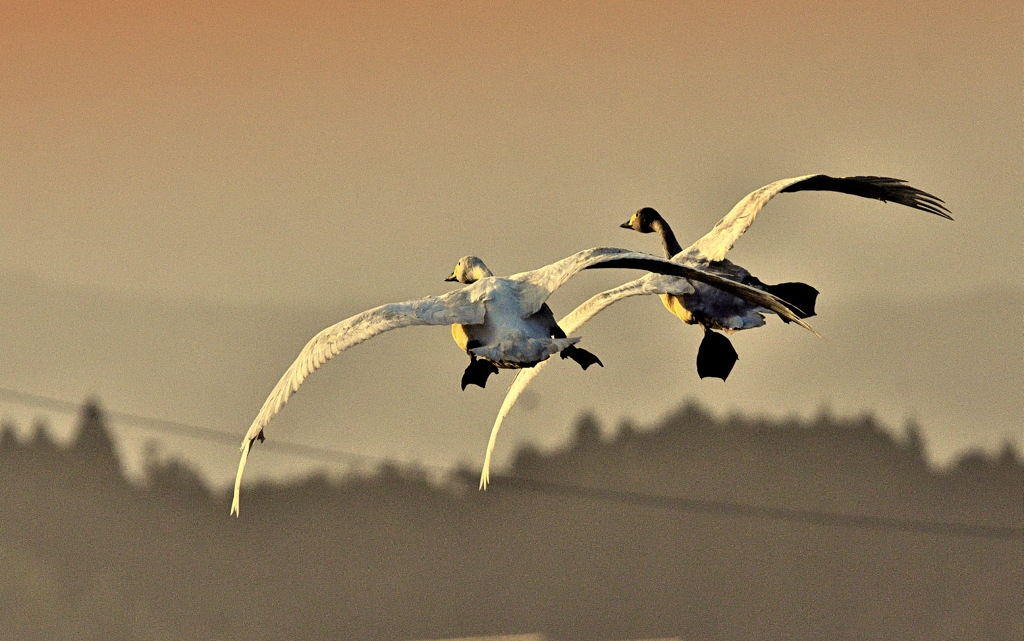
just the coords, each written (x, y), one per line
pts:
(649, 284)
(716, 243)
(551, 277)
(460, 306)
(547, 279)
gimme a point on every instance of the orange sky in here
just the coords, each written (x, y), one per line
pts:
(268, 152)
(228, 133)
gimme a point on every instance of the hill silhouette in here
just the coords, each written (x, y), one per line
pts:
(393, 555)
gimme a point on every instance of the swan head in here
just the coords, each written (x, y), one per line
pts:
(643, 220)
(468, 270)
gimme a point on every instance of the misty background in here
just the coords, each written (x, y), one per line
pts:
(188, 193)
(694, 527)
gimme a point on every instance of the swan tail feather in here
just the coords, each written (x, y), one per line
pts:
(799, 296)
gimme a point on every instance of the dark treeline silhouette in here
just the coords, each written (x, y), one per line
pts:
(392, 555)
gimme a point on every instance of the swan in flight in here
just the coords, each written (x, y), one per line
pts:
(693, 302)
(499, 322)
(713, 309)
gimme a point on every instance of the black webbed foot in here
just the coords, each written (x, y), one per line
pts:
(477, 372)
(799, 296)
(716, 356)
(260, 437)
(582, 357)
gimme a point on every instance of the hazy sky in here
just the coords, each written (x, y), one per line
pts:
(312, 152)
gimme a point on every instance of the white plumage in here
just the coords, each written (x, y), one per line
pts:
(693, 301)
(500, 313)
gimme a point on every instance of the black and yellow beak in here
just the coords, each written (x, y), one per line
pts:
(627, 224)
(450, 279)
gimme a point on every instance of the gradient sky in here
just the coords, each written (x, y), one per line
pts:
(303, 153)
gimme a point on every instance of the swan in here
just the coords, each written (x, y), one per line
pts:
(470, 338)
(499, 322)
(715, 309)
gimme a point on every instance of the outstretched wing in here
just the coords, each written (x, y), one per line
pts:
(547, 279)
(460, 306)
(716, 243)
(649, 284)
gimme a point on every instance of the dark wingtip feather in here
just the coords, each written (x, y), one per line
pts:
(879, 188)
(898, 191)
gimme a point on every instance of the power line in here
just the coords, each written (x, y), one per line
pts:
(189, 430)
(727, 508)
(629, 497)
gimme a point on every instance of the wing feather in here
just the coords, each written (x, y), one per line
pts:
(694, 272)
(547, 279)
(649, 284)
(570, 323)
(460, 306)
(716, 243)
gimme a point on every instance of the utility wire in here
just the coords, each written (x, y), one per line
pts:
(629, 497)
(185, 429)
(727, 508)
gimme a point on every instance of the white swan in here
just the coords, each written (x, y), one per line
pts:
(693, 302)
(504, 320)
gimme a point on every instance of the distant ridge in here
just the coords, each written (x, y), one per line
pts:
(389, 554)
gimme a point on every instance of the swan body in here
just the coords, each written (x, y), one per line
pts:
(714, 309)
(709, 307)
(505, 321)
